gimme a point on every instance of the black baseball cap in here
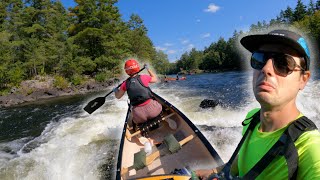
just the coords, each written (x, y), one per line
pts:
(285, 37)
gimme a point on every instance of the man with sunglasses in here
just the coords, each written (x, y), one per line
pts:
(279, 142)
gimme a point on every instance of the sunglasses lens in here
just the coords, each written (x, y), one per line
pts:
(257, 60)
(284, 64)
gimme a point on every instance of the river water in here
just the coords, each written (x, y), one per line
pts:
(56, 139)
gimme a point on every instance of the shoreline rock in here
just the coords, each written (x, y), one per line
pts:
(33, 90)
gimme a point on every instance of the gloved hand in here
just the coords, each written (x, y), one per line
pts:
(115, 89)
(146, 66)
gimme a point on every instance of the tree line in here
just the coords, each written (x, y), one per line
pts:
(224, 55)
(91, 40)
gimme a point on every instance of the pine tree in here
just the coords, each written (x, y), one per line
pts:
(97, 32)
(11, 44)
(311, 8)
(3, 12)
(300, 11)
(317, 5)
(44, 36)
(140, 44)
(286, 16)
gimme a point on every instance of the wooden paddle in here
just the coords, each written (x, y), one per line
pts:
(99, 101)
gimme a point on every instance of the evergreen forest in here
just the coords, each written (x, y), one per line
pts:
(91, 40)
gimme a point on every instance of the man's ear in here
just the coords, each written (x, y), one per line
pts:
(304, 79)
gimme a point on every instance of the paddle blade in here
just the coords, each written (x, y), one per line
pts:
(94, 104)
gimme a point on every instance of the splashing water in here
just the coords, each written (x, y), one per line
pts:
(61, 141)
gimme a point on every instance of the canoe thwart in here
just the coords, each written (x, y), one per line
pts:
(141, 159)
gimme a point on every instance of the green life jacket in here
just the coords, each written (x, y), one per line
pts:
(283, 147)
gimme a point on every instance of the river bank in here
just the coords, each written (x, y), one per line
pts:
(41, 88)
(44, 88)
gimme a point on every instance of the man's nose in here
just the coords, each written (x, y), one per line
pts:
(268, 68)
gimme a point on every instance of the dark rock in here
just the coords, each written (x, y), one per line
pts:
(52, 92)
(208, 103)
(90, 86)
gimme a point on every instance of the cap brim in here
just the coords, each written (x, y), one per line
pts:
(254, 42)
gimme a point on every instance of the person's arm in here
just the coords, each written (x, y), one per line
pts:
(118, 93)
(205, 173)
(152, 74)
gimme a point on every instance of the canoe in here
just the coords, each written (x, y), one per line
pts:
(174, 79)
(182, 147)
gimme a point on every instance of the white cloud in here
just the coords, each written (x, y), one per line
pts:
(171, 51)
(184, 41)
(189, 47)
(212, 8)
(168, 44)
(158, 48)
(198, 20)
(206, 35)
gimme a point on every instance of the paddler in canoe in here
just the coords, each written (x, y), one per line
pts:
(162, 147)
(278, 141)
(166, 79)
(144, 107)
(158, 141)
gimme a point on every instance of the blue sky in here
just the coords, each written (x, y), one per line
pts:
(176, 26)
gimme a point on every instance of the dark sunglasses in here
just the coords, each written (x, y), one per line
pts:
(284, 64)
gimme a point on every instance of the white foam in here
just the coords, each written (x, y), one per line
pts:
(73, 148)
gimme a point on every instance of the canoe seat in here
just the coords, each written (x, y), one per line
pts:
(150, 125)
(153, 124)
(172, 143)
(139, 161)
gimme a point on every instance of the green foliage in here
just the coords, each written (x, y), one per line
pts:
(300, 11)
(15, 75)
(84, 64)
(76, 79)
(140, 44)
(103, 76)
(29, 91)
(218, 56)
(60, 82)
(161, 62)
(105, 62)
(40, 37)
(4, 91)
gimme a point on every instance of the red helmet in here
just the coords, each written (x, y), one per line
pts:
(131, 67)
